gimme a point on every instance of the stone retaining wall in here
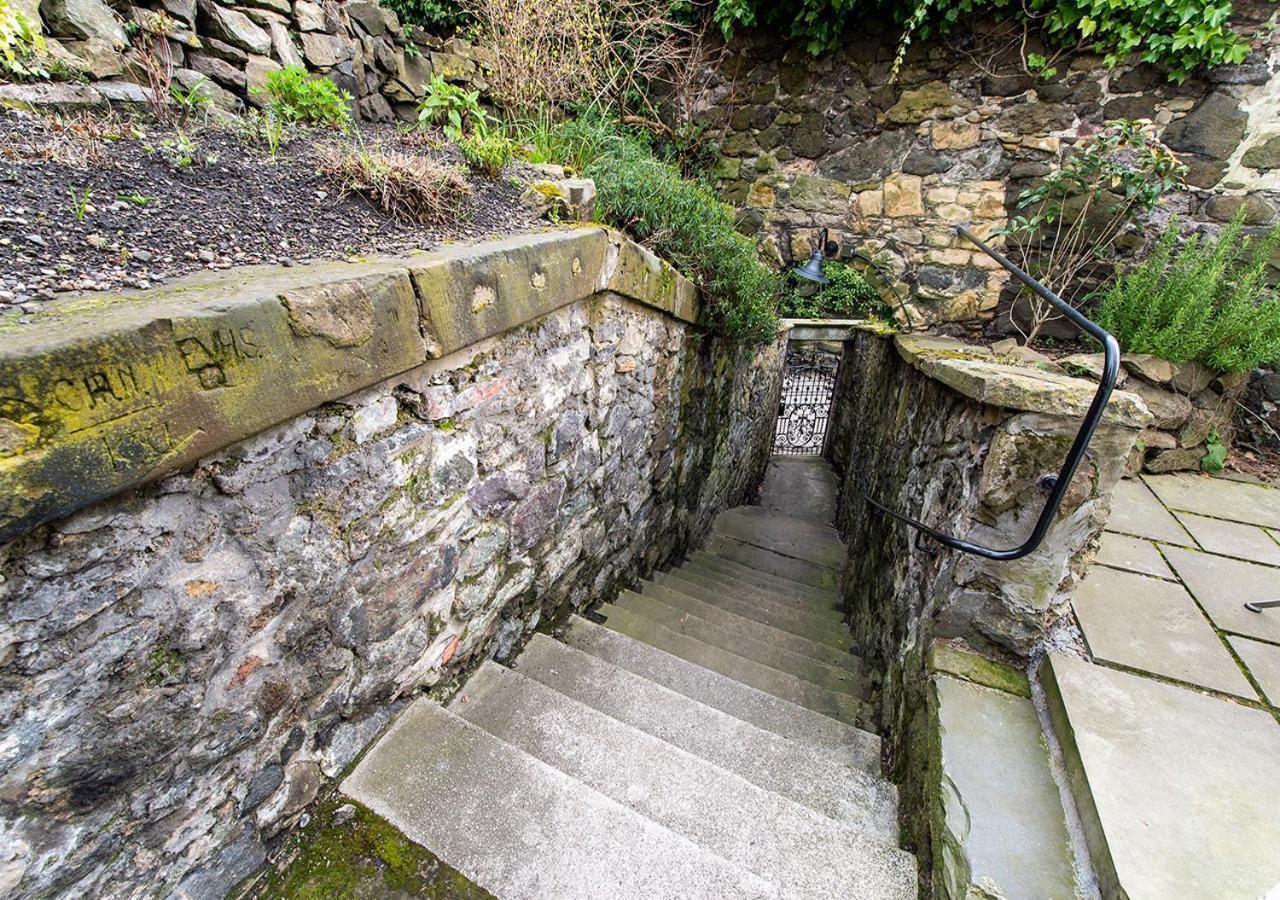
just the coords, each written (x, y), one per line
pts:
(304, 495)
(890, 166)
(961, 440)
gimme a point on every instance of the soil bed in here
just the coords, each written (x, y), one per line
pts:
(144, 221)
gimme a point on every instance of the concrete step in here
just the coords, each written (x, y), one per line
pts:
(831, 632)
(796, 523)
(815, 731)
(634, 606)
(772, 562)
(839, 705)
(776, 535)
(785, 587)
(778, 839)
(816, 778)
(801, 489)
(749, 627)
(520, 828)
(698, 572)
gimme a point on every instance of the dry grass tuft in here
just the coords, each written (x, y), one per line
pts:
(405, 185)
(73, 139)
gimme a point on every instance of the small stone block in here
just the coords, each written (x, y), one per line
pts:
(1135, 510)
(951, 660)
(1233, 539)
(1132, 554)
(1263, 662)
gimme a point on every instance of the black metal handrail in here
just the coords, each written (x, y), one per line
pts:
(1057, 484)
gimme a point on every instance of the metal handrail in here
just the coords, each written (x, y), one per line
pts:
(1057, 484)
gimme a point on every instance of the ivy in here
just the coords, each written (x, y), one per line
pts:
(1180, 35)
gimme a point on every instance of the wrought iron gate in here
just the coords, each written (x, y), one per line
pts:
(807, 387)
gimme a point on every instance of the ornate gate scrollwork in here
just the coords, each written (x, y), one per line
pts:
(807, 386)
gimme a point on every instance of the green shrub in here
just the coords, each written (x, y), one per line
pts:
(1180, 35)
(1206, 302)
(453, 107)
(436, 16)
(847, 295)
(295, 97)
(486, 153)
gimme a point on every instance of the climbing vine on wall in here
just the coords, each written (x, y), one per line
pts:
(1180, 35)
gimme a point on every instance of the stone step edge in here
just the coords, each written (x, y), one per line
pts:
(588, 627)
(822, 607)
(767, 580)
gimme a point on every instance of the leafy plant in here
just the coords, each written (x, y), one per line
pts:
(453, 107)
(181, 151)
(1215, 456)
(293, 96)
(80, 202)
(151, 42)
(1180, 35)
(436, 16)
(136, 199)
(846, 295)
(192, 100)
(1207, 301)
(1068, 224)
(486, 153)
(21, 44)
(680, 219)
(406, 185)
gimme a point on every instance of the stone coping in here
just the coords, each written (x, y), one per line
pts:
(980, 375)
(99, 394)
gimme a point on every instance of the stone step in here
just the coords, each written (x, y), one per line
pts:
(749, 627)
(777, 838)
(841, 789)
(774, 534)
(772, 562)
(792, 523)
(765, 580)
(824, 610)
(830, 632)
(845, 743)
(521, 828)
(839, 705)
(635, 606)
(801, 489)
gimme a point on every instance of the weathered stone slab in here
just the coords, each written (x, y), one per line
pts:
(1178, 790)
(1017, 387)
(1001, 830)
(1154, 625)
(102, 399)
(1232, 539)
(1223, 586)
(1135, 510)
(641, 275)
(1263, 662)
(1219, 497)
(1132, 554)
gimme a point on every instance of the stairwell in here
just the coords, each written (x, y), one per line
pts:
(707, 740)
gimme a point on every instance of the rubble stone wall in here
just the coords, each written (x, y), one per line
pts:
(190, 656)
(891, 166)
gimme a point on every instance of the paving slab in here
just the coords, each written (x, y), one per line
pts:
(1178, 790)
(1263, 662)
(1002, 807)
(1232, 538)
(1224, 585)
(1154, 625)
(1133, 554)
(1235, 500)
(805, 489)
(1135, 510)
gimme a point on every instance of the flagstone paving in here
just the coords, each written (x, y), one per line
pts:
(1171, 735)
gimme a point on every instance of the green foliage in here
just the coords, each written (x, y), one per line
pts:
(80, 202)
(190, 102)
(20, 44)
(1215, 456)
(455, 108)
(436, 16)
(847, 295)
(680, 219)
(295, 97)
(486, 153)
(1206, 302)
(1180, 35)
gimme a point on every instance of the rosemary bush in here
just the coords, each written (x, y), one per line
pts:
(1207, 301)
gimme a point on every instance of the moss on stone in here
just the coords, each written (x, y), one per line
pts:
(978, 669)
(359, 854)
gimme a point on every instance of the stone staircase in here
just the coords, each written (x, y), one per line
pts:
(702, 742)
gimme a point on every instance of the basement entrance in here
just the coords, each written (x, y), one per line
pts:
(808, 383)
